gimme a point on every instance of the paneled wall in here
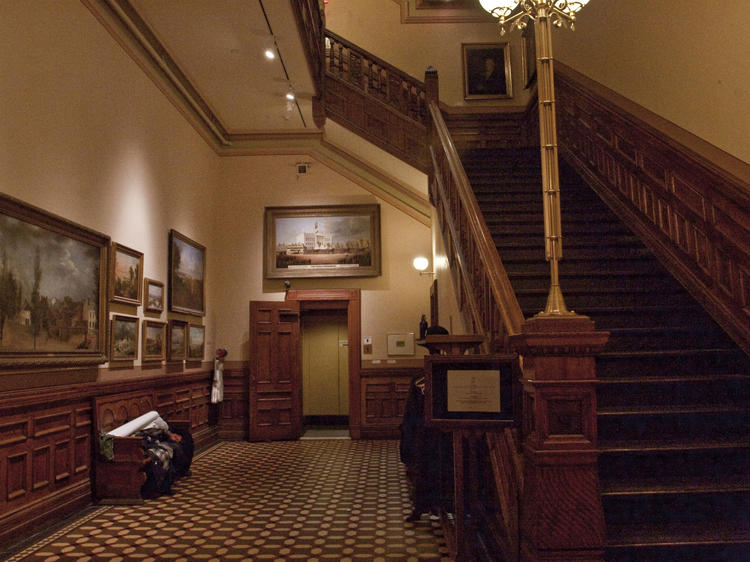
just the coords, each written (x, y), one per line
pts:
(384, 394)
(47, 440)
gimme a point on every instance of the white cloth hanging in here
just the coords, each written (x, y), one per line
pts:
(217, 389)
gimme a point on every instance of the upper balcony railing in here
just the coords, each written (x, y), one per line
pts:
(375, 77)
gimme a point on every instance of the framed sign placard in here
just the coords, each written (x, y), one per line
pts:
(470, 390)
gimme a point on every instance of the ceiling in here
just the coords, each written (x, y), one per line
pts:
(218, 47)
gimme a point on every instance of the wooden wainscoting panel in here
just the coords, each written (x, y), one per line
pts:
(233, 411)
(47, 438)
(384, 394)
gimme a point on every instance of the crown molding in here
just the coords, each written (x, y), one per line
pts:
(124, 24)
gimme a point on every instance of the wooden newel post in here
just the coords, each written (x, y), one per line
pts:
(561, 509)
(431, 85)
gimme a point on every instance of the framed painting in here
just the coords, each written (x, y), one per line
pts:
(486, 71)
(187, 272)
(124, 338)
(196, 342)
(324, 241)
(153, 295)
(177, 347)
(53, 289)
(125, 274)
(154, 346)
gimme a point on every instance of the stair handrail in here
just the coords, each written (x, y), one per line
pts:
(481, 267)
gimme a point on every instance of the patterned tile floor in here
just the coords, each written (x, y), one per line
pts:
(305, 500)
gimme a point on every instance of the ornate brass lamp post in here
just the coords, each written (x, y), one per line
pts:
(544, 14)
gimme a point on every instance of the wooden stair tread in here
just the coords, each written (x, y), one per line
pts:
(661, 409)
(672, 534)
(676, 444)
(665, 352)
(674, 379)
(675, 485)
(603, 274)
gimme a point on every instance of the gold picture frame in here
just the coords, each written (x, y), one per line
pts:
(123, 338)
(322, 241)
(487, 71)
(153, 295)
(187, 275)
(177, 344)
(196, 342)
(125, 274)
(154, 341)
(34, 243)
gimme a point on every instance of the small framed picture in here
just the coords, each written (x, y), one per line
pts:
(187, 274)
(124, 338)
(154, 295)
(154, 346)
(126, 274)
(196, 342)
(486, 71)
(177, 347)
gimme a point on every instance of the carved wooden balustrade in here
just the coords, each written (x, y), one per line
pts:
(491, 308)
(689, 202)
(375, 100)
(310, 24)
(484, 291)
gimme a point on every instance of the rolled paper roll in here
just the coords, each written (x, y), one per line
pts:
(134, 425)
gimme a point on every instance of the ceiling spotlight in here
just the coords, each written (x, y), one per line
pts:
(290, 95)
(270, 55)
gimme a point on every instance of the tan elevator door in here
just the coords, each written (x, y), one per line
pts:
(325, 363)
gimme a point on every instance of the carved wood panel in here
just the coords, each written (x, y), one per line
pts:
(233, 411)
(492, 130)
(384, 394)
(377, 122)
(694, 217)
(47, 440)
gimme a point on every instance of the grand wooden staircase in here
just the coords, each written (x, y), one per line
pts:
(673, 391)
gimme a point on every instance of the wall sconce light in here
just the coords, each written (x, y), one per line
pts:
(421, 264)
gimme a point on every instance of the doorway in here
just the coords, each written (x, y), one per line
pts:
(325, 371)
(275, 385)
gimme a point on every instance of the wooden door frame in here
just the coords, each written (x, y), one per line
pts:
(349, 300)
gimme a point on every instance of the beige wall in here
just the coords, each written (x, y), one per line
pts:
(375, 25)
(392, 302)
(85, 135)
(686, 61)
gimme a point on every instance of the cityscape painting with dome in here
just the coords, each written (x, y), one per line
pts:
(323, 243)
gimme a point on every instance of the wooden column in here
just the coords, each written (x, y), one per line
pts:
(561, 511)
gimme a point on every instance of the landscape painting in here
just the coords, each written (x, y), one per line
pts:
(187, 269)
(196, 338)
(325, 241)
(126, 273)
(52, 289)
(154, 295)
(177, 340)
(124, 338)
(154, 344)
